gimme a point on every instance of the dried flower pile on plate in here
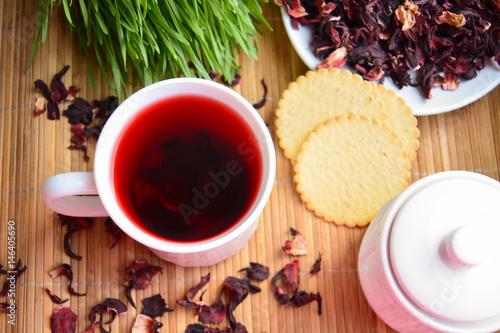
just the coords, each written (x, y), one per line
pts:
(351, 143)
(441, 41)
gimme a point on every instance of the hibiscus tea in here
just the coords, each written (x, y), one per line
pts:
(187, 168)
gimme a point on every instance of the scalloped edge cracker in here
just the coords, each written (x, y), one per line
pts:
(318, 96)
(401, 120)
(349, 167)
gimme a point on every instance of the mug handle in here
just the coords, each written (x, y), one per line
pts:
(73, 194)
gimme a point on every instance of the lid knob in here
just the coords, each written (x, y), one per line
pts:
(469, 245)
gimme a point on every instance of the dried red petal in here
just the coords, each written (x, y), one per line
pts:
(111, 305)
(73, 224)
(43, 87)
(154, 306)
(214, 313)
(4, 307)
(72, 91)
(295, 8)
(56, 299)
(213, 74)
(145, 324)
(82, 148)
(297, 246)
(104, 108)
(236, 80)
(79, 129)
(80, 111)
(52, 110)
(139, 275)
(199, 328)
(190, 302)
(63, 320)
(257, 271)
(65, 270)
(455, 20)
(40, 105)
(113, 229)
(290, 275)
(325, 8)
(450, 82)
(302, 298)
(406, 15)
(336, 59)
(264, 98)
(240, 289)
(12, 276)
(59, 91)
(316, 266)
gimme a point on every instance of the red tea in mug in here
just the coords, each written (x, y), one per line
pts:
(187, 168)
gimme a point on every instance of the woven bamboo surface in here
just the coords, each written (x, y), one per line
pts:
(35, 148)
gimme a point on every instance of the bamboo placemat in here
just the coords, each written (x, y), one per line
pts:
(35, 148)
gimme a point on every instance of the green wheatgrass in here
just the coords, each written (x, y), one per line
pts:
(161, 38)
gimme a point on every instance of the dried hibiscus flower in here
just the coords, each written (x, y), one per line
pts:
(256, 271)
(53, 96)
(190, 302)
(65, 270)
(110, 305)
(72, 91)
(4, 307)
(199, 328)
(154, 306)
(56, 299)
(263, 101)
(235, 81)
(145, 322)
(80, 111)
(290, 275)
(297, 246)
(113, 229)
(214, 313)
(40, 105)
(316, 266)
(12, 277)
(74, 224)
(139, 275)
(52, 108)
(63, 320)
(240, 289)
(82, 148)
(81, 114)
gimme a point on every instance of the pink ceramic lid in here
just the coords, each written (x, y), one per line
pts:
(444, 248)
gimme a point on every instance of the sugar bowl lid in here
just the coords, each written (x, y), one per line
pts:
(444, 248)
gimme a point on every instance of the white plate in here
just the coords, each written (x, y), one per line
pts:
(441, 101)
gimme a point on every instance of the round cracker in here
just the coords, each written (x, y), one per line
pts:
(318, 96)
(349, 167)
(400, 120)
